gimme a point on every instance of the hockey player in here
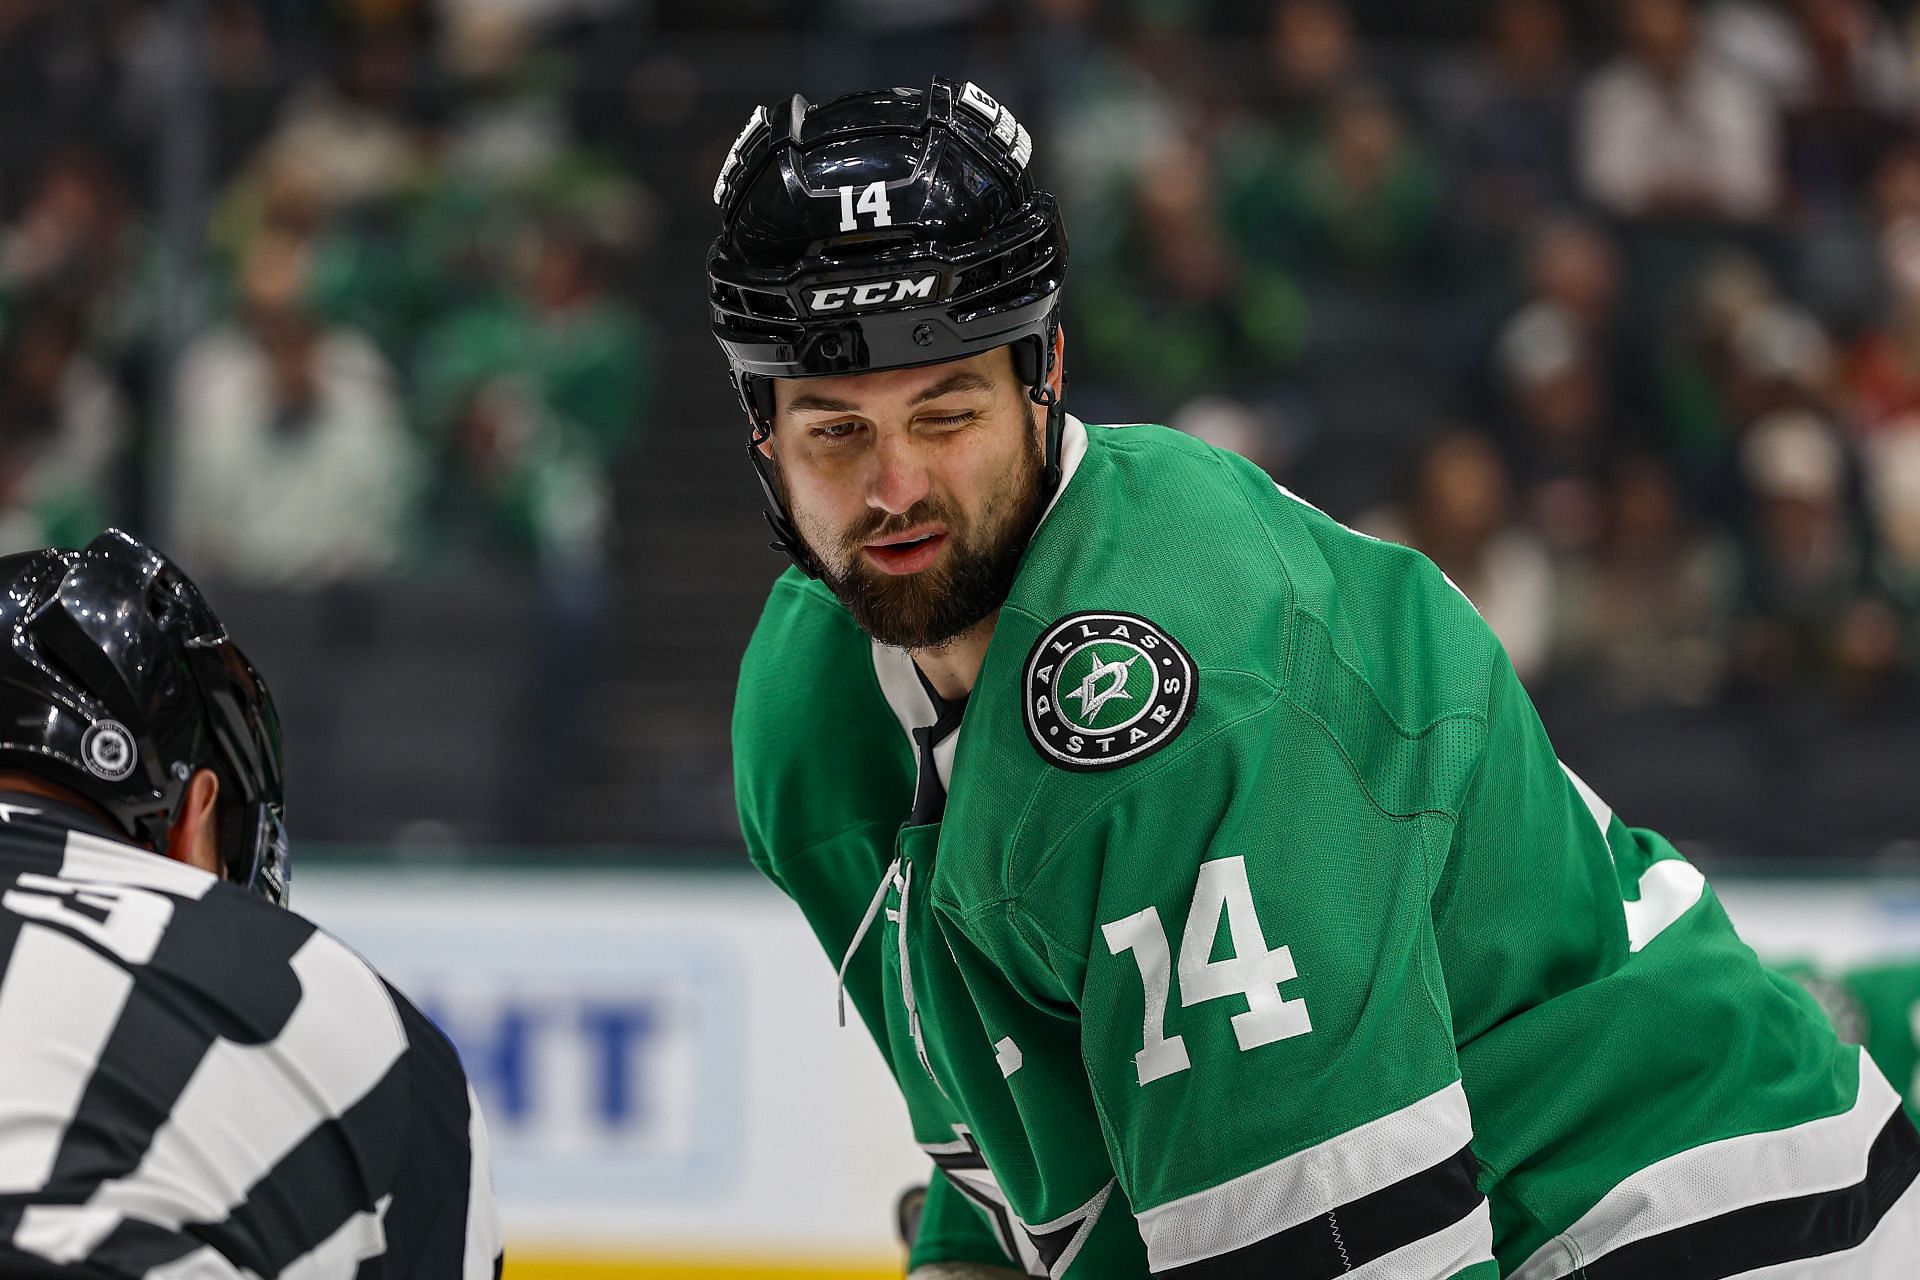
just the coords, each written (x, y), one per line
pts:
(1200, 865)
(194, 1083)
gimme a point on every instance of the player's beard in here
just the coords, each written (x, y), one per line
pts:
(941, 603)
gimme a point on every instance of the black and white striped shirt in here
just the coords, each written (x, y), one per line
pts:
(196, 1085)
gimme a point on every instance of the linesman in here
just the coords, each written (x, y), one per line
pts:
(195, 1084)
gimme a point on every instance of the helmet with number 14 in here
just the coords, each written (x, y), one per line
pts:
(886, 288)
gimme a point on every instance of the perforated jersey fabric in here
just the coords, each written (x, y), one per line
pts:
(1348, 970)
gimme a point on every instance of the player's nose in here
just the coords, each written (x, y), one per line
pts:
(899, 477)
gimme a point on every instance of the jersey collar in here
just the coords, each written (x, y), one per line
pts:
(1073, 451)
(22, 806)
(900, 682)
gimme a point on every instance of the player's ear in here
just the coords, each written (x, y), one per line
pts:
(193, 838)
(1056, 377)
(765, 393)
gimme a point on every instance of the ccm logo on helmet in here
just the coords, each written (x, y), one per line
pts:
(873, 293)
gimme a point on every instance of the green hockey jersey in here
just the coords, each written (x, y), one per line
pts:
(1263, 934)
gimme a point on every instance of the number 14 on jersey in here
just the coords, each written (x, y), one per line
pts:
(1253, 971)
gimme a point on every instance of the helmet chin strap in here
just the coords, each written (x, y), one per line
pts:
(756, 396)
(1056, 431)
(1045, 394)
(786, 538)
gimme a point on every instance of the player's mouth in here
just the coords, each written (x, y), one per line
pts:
(907, 552)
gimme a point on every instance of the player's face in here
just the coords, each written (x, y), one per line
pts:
(915, 489)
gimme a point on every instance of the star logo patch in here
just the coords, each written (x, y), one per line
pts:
(1106, 689)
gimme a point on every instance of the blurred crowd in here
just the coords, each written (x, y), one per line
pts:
(398, 336)
(1610, 306)
(1618, 305)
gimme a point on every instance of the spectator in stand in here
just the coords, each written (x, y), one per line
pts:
(511, 121)
(293, 466)
(531, 398)
(1457, 509)
(1358, 202)
(63, 431)
(347, 166)
(1697, 363)
(1177, 311)
(1644, 619)
(1836, 71)
(1511, 116)
(1666, 131)
(1572, 270)
(1782, 359)
(1560, 429)
(46, 361)
(1811, 613)
(1122, 102)
(1748, 352)
(1892, 466)
(1882, 378)
(1882, 390)
(1314, 54)
(77, 238)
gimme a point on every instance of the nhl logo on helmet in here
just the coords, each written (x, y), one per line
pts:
(1105, 689)
(108, 751)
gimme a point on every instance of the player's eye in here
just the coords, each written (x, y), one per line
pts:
(834, 431)
(950, 420)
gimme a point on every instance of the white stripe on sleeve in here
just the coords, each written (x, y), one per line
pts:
(1720, 1177)
(63, 1232)
(247, 1106)
(1307, 1184)
(92, 858)
(59, 1003)
(483, 1217)
(1887, 1254)
(1668, 888)
(1602, 811)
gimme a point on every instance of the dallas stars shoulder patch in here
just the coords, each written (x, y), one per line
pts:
(1105, 689)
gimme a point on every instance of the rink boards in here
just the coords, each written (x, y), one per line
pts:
(667, 1091)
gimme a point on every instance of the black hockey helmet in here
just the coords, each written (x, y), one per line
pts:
(118, 682)
(882, 230)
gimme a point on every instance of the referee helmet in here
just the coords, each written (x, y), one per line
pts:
(118, 682)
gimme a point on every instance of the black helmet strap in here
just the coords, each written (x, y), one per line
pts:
(1033, 363)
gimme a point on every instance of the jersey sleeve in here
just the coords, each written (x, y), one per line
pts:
(440, 1221)
(823, 837)
(1607, 1015)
